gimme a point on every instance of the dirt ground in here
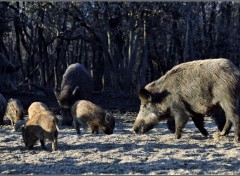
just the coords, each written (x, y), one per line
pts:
(123, 152)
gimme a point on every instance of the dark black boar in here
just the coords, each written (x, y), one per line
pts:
(76, 85)
(41, 126)
(86, 113)
(3, 105)
(14, 111)
(192, 89)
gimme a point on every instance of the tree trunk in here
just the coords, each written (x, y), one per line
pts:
(188, 51)
(145, 53)
(132, 52)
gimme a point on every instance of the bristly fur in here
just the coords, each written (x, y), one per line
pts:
(195, 89)
(35, 108)
(86, 113)
(41, 126)
(14, 111)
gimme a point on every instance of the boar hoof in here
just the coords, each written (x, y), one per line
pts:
(178, 136)
(205, 133)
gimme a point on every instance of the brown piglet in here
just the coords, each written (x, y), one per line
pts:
(14, 111)
(87, 113)
(35, 108)
(41, 126)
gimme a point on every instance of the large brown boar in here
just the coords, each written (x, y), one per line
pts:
(191, 89)
(35, 108)
(86, 113)
(40, 127)
(3, 105)
(14, 111)
(76, 85)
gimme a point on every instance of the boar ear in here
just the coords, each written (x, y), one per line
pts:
(75, 91)
(108, 117)
(144, 95)
(158, 97)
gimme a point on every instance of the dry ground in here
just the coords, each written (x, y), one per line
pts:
(123, 152)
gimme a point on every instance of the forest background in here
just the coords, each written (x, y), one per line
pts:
(124, 45)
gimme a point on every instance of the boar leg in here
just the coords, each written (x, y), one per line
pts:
(237, 132)
(181, 117)
(199, 123)
(54, 144)
(94, 128)
(31, 141)
(218, 115)
(43, 144)
(12, 124)
(67, 117)
(54, 141)
(171, 125)
(77, 127)
(226, 128)
(180, 121)
(231, 117)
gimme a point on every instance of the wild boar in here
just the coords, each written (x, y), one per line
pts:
(35, 108)
(40, 126)
(86, 113)
(192, 89)
(14, 111)
(76, 85)
(3, 105)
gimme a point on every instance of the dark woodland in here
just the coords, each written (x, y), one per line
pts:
(124, 45)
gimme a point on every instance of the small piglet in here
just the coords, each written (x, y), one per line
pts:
(41, 126)
(86, 113)
(14, 111)
(35, 108)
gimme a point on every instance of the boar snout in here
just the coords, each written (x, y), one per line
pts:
(143, 127)
(139, 128)
(108, 132)
(29, 147)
